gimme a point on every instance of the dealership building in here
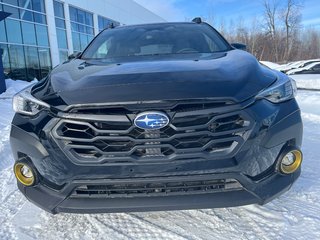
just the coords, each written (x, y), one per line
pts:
(40, 34)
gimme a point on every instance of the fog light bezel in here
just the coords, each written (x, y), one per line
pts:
(292, 168)
(26, 181)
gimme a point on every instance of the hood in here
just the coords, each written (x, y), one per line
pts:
(234, 75)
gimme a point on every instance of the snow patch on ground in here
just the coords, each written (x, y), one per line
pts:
(307, 81)
(294, 215)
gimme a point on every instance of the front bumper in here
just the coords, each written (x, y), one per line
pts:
(253, 166)
(59, 201)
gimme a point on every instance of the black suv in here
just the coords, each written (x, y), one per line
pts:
(157, 117)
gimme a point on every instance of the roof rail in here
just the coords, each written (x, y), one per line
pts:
(197, 20)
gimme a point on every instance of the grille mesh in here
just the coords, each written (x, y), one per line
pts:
(200, 133)
(161, 188)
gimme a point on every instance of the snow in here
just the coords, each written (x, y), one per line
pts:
(307, 81)
(270, 64)
(304, 81)
(294, 215)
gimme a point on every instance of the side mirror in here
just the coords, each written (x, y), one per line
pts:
(239, 46)
(74, 55)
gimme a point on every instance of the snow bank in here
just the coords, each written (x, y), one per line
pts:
(271, 64)
(14, 86)
(307, 81)
(6, 115)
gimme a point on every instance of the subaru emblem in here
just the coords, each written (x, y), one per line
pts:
(151, 120)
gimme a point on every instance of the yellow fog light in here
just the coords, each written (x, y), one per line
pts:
(24, 174)
(291, 162)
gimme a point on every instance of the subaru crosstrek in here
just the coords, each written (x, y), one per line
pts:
(152, 117)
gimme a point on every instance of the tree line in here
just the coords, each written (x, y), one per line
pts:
(277, 36)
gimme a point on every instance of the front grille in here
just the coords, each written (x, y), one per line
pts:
(160, 188)
(196, 131)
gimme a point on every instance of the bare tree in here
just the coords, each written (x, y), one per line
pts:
(291, 17)
(271, 8)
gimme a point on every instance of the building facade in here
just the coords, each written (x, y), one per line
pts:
(40, 34)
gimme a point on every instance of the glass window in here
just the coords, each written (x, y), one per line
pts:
(81, 17)
(14, 34)
(14, 11)
(28, 33)
(5, 59)
(25, 4)
(12, 2)
(26, 15)
(76, 42)
(42, 35)
(45, 61)
(60, 23)
(89, 19)
(38, 5)
(62, 39)
(58, 9)
(81, 28)
(83, 41)
(158, 40)
(3, 36)
(39, 18)
(105, 23)
(73, 14)
(63, 55)
(18, 65)
(89, 30)
(74, 27)
(90, 38)
(32, 63)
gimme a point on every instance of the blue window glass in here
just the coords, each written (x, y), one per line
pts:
(60, 23)
(28, 33)
(89, 19)
(13, 10)
(14, 35)
(45, 61)
(12, 2)
(39, 18)
(38, 5)
(73, 14)
(17, 62)
(5, 59)
(81, 17)
(89, 30)
(63, 55)
(76, 41)
(62, 39)
(105, 23)
(32, 63)
(26, 15)
(25, 4)
(3, 36)
(42, 35)
(83, 41)
(81, 28)
(58, 9)
(74, 27)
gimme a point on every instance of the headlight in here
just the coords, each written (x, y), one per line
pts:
(284, 89)
(25, 103)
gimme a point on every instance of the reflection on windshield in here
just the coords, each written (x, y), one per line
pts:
(155, 40)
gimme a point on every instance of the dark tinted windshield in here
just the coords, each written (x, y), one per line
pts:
(161, 39)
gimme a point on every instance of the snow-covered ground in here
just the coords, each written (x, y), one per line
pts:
(294, 215)
(304, 81)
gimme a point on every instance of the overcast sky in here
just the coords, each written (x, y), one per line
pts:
(181, 10)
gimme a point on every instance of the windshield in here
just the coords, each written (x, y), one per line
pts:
(161, 39)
